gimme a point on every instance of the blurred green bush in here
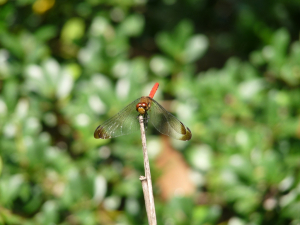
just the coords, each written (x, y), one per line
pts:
(66, 66)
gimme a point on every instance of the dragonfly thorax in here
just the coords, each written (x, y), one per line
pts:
(142, 108)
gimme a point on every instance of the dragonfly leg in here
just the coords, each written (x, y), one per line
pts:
(138, 117)
(144, 120)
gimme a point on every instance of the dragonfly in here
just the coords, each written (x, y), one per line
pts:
(126, 121)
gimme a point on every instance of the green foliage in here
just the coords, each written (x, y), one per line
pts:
(67, 66)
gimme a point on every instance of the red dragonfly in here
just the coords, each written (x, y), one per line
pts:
(126, 121)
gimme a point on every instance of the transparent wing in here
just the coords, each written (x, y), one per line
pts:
(125, 122)
(166, 123)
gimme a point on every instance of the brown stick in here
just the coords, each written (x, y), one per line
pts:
(152, 215)
(146, 196)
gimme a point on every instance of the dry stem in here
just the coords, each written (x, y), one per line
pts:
(150, 202)
(146, 196)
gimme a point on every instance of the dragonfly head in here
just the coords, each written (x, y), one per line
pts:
(142, 108)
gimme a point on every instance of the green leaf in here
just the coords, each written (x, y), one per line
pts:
(72, 30)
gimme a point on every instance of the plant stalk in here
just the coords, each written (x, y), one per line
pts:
(151, 206)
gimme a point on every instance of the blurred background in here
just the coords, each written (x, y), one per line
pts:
(229, 70)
